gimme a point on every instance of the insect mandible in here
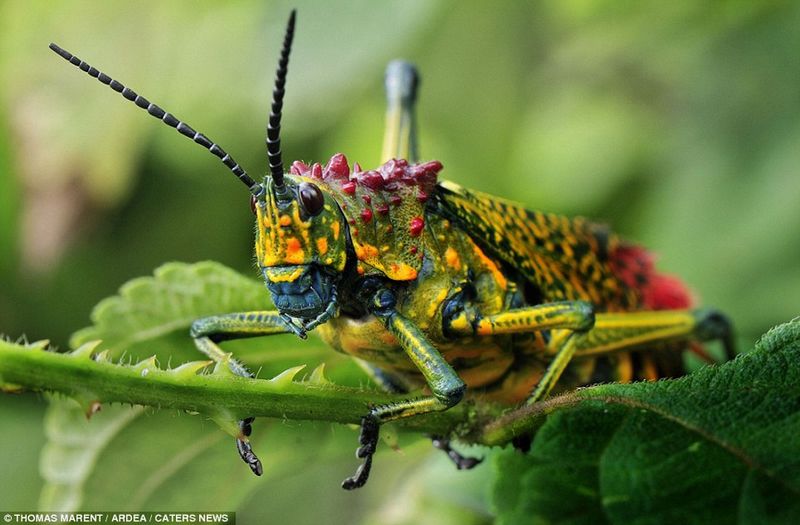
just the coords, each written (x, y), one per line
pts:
(436, 290)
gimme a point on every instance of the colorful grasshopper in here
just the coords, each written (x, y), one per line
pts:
(428, 284)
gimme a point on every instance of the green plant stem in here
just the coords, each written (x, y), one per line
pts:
(220, 394)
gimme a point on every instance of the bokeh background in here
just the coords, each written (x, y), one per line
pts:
(677, 122)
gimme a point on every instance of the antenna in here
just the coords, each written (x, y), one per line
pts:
(168, 118)
(274, 126)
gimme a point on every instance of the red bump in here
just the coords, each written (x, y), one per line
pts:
(356, 167)
(349, 187)
(413, 250)
(298, 168)
(372, 180)
(396, 200)
(433, 166)
(316, 170)
(366, 215)
(367, 199)
(337, 167)
(422, 196)
(382, 209)
(415, 226)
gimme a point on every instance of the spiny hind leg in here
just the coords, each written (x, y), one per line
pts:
(208, 331)
(625, 331)
(395, 385)
(615, 332)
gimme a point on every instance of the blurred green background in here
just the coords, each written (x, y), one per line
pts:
(677, 122)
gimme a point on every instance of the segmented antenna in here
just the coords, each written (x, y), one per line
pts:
(274, 126)
(167, 118)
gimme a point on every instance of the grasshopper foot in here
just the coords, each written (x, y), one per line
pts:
(368, 441)
(245, 450)
(461, 462)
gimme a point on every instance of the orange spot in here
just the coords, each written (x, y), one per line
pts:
(366, 251)
(452, 258)
(322, 245)
(285, 220)
(294, 253)
(360, 269)
(335, 228)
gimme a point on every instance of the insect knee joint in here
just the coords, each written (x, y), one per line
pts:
(452, 395)
(586, 313)
(712, 324)
(199, 328)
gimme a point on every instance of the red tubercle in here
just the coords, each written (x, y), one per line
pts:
(396, 200)
(422, 196)
(367, 199)
(316, 171)
(415, 226)
(356, 167)
(337, 167)
(349, 187)
(382, 209)
(413, 250)
(366, 215)
(371, 179)
(299, 168)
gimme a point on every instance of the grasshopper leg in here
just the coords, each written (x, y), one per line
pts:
(625, 331)
(461, 462)
(209, 331)
(447, 388)
(395, 385)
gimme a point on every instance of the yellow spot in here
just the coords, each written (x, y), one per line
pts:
(280, 275)
(294, 253)
(385, 248)
(452, 258)
(360, 269)
(460, 324)
(402, 272)
(335, 229)
(285, 220)
(322, 245)
(437, 302)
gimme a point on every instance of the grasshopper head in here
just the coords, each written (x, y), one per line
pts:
(300, 246)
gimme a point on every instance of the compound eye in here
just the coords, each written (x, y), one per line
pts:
(253, 200)
(311, 198)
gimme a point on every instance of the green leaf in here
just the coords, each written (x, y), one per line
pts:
(720, 445)
(73, 446)
(149, 309)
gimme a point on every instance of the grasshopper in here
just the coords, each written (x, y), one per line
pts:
(437, 291)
